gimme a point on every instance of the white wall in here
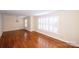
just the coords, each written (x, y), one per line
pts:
(68, 27)
(0, 25)
(12, 23)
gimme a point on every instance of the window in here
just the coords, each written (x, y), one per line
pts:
(48, 23)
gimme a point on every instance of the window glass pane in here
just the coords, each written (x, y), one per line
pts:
(47, 26)
(50, 28)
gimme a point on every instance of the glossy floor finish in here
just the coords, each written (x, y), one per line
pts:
(26, 39)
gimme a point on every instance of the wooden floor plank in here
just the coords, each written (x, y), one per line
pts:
(26, 39)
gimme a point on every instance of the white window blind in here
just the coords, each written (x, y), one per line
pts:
(48, 23)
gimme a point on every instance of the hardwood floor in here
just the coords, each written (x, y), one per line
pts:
(26, 39)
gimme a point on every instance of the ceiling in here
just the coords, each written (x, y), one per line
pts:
(25, 12)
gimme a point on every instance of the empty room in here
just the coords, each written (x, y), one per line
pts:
(39, 28)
